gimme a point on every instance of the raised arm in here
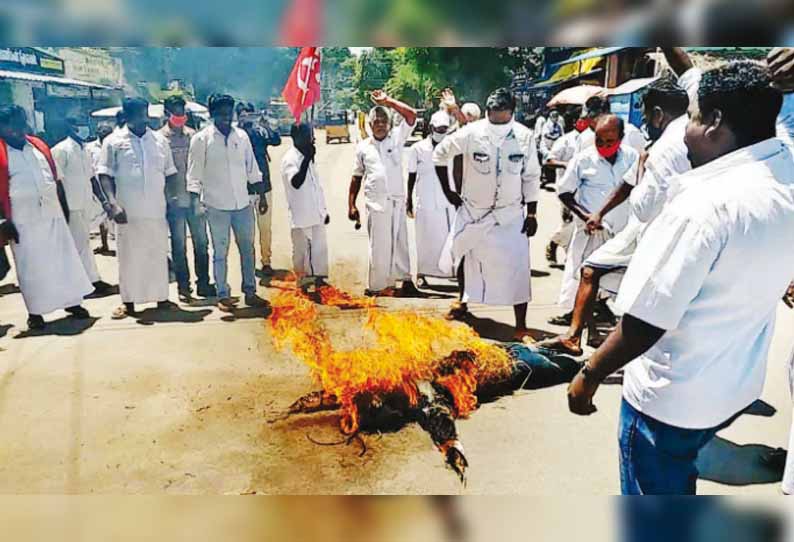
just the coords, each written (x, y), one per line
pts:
(678, 59)
(406, 111)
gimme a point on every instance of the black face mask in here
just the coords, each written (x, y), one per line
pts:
(303, 140)
(654, 133)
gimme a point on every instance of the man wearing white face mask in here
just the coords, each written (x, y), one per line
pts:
(76, 170)
(496, 208)
(378, 166)
(433, 214)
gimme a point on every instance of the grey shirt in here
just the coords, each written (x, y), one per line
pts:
(176, 191)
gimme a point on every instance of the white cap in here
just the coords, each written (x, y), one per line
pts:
(440, 118)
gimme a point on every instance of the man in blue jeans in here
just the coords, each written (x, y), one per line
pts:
(700, 295)
(221, 166)
(179, 213)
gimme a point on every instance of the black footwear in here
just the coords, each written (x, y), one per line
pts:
(226, 305)
(78, 312)
(603, 314)
(564, 320)
(185, 296)
(101, 287)
(409, 290)
(207, 290)
(167, 305)
(35, 322)
(421, 282)
(254, 300)
(267, 271)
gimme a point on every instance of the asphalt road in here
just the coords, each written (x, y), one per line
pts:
(178, 402)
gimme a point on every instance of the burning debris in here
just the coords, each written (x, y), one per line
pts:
(420, 369)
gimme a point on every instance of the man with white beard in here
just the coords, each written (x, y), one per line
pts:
(433, 213)
(33, 211)
(497, 208)
(378, 167)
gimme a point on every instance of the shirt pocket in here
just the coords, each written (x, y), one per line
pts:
(481, 161)
(515, 163)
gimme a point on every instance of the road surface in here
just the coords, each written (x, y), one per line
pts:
(178, 402)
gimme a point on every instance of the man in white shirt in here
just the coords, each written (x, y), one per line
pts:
(700, 296)
(94, 150)
(433, 213)
(221, 165)
(76, 171)
(378, 165)
(585, 188)
(307, 211)
(495, 210)
(33, 210)
(593, 110)
(135, 165)
(665, 104)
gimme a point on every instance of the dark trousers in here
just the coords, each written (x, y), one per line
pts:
(179, 219)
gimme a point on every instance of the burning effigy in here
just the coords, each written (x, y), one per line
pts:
(417, 369)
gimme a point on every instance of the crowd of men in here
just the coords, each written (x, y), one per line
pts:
(688, 226)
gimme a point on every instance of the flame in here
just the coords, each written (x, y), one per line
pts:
(334, 297)
(408, 348)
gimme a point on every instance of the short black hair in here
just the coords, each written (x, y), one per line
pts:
(121, 118)
(743, 92)
(132, 105)
(244, 106)
(597, 105)
(174, 101)
(217, 101)
(501, 99)
(301, 128)
(667, 94)
(9, 112)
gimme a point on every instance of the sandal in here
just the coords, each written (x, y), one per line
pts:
(120, 313)
(457, 311)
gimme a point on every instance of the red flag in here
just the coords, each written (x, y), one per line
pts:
(303, 86)
(302, 23)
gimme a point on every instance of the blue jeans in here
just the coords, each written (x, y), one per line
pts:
(656, 458)
(243, 224)
(179, 219)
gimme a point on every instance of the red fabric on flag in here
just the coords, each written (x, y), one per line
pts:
(303, 86)
(302, 23)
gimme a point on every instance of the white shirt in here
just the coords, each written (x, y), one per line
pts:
(495, 178)
(632, 137)
(380, 163)
(221, 168)
(592, 179)
(75, 169)
(785, 121)
(139, 166)
(94, 150)
(564, 148)
(710, 270)
(428, 192)
(307, 203)
(667, 158)
(31, 186)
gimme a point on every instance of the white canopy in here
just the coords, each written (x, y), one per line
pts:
(156, 111)
(575, 95)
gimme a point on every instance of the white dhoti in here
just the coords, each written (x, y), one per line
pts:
(50, 273)
(496, 257)
(580, 248)
(615, 256)
(142, 246)
(432, 230)
(788, 475)
(80, 226)
(388, 245)
(310, 251)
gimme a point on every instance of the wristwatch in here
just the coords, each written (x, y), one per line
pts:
(589, 373)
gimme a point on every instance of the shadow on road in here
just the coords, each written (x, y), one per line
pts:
(8, 289)
(247, 313)
(733, 464)
(488, 328)
(536, 273)
(4, 329)
(153, 315)
(64, 327)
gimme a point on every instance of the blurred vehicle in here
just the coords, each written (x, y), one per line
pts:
(280, 115)
(337, 127)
